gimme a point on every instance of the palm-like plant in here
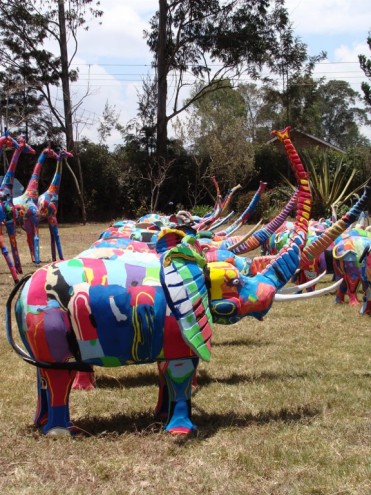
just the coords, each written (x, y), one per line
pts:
(333, 180)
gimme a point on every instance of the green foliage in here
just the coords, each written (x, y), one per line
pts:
(365, 64)
(28, 70)
(200, 210)
(333, 180)
(283, 409)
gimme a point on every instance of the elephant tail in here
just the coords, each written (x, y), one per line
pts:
(78, 366)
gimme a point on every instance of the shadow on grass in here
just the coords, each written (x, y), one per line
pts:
(142, 380)
(144, 424)
(203, 379)
(248, 342)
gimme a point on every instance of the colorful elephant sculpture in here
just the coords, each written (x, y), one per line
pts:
(347, 252)
(365, 261)
(140, 308)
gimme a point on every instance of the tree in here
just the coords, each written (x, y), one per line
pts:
(330, 110)
(365, 64)
(340, 115)
(26, 28)
(209, 40)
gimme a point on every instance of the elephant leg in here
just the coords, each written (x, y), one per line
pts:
(84, 380)
(178, 375)
(56, 385)
(41, 415)
(352, 279)
(162, 406)
(342, 289)
(366, 300)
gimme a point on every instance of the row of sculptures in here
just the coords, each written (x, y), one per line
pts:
(151, 290)
(29, 208)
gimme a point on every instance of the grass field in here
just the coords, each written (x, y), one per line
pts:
(283, 408)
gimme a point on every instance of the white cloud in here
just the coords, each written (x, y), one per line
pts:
(121, 33)
(330, 17)
(339, 27)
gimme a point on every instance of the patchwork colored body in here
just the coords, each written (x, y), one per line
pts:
(365, 261)
(26, 205)
(113, 306)
(114, 310)
(348, 249)
(7, 210)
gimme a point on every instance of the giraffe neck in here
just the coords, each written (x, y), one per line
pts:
(6, 187)
(56, 181)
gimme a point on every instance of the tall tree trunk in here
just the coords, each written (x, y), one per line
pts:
(67, 106)
(162, 82)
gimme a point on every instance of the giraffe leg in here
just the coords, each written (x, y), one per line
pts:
(36, 239)
(7, 258)
(11, 228)
(178, 375)
(30, 238)
(55, 239)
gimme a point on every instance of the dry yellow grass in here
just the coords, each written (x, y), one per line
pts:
(283, 408)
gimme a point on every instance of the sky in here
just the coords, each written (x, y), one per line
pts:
(113, 58)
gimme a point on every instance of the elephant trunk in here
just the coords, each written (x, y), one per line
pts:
(259, 237)
(285, 264)
(244, 217)
(329, 235)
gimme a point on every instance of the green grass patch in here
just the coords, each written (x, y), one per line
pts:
(283, 408)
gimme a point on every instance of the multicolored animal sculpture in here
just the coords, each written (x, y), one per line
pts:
(139, 308)
(317, 256)
(365, 261)
(7, 211)
(347, 251)
(47, 205)
(26, 205)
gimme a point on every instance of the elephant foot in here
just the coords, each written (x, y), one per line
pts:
(339, 301)
(181, 431)
(84, 380)
(180, 422)
(353, 301)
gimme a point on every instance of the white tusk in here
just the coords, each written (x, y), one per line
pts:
(300, 287)
(245, 237)
(307, 295)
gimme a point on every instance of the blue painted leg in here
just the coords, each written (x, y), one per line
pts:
(178, 375)
(41, 416)
(55, 239)
(58, 387)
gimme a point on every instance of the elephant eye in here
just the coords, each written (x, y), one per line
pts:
(235, 281)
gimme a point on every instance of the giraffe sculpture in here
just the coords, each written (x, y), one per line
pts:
(7, 212)
(26, 205)
(47, 205)
(6, 142)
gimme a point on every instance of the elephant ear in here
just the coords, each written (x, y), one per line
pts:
(183, 281)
